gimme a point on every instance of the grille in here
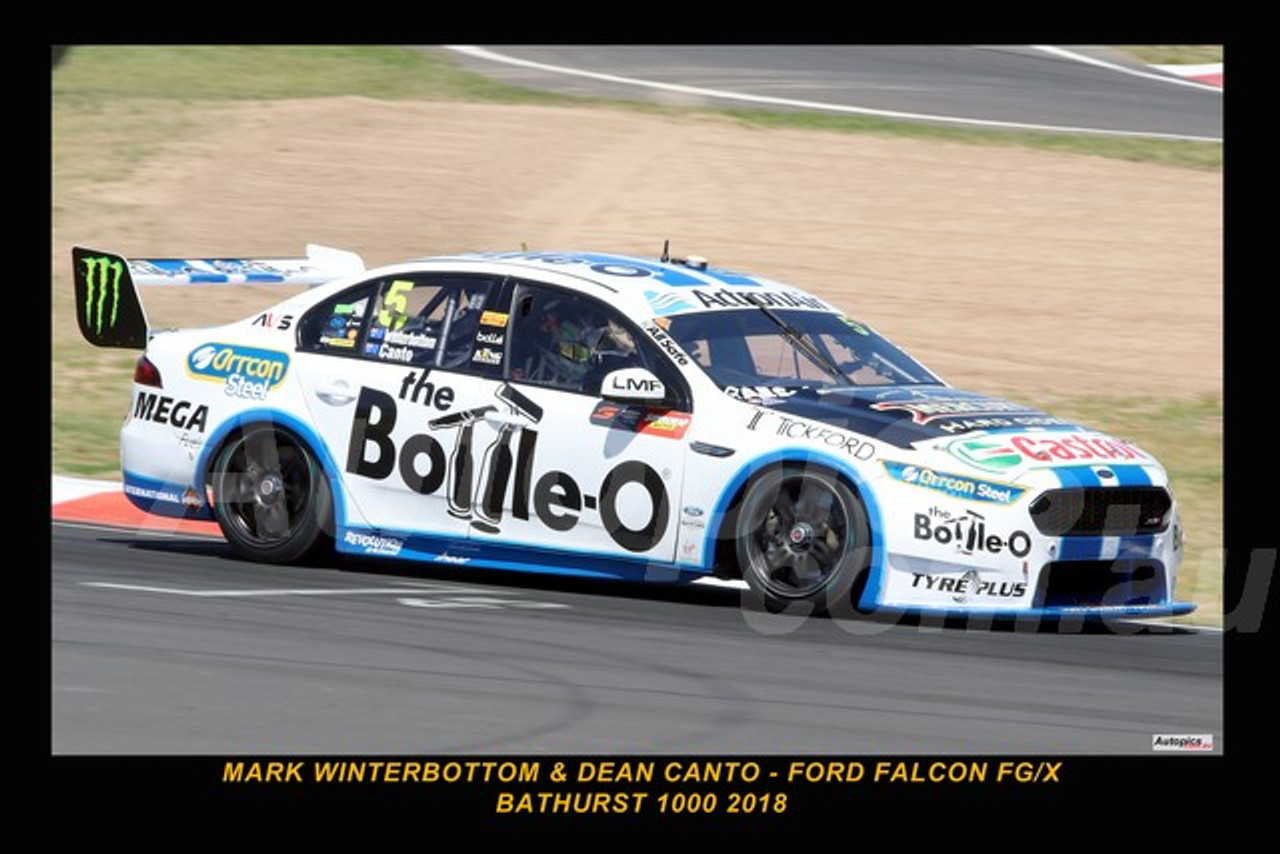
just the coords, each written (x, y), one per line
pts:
(1094, 583)
(1102, 511)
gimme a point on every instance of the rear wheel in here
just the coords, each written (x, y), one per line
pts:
(271, 496)
(803, 541)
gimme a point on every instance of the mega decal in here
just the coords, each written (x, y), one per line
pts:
(792, 428)
(167, 410)
(479, 480)
(968, 533)
(954, 485)
(246, 372)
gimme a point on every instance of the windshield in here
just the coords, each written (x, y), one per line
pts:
(761, 348)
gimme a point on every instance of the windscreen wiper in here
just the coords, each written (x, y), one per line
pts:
(806, 346)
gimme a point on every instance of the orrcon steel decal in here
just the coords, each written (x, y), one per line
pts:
(247, 372)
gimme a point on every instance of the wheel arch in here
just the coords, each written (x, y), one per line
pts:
(234, 426)
(720, 543)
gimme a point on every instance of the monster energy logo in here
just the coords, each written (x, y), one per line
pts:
(102, 275)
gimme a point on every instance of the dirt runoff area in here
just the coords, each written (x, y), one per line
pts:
(1004, 270)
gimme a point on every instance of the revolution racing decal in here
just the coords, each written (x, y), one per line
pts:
(478, 488)
(246, 372)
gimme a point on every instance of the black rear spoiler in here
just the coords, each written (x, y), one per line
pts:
(107, 304)
(110, 312)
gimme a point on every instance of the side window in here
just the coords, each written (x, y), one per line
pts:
(570, 342)
(334, 325)
(427, 319)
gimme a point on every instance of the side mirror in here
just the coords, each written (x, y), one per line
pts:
(633, 385)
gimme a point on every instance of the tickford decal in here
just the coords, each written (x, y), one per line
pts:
(246, 372)
(820, 434)
(102, 302)
(954, 485)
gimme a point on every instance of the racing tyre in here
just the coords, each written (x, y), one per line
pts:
(271, 496)
(803, 542)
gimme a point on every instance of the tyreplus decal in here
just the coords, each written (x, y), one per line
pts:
(477, 480)
(246, 372)
(954, 485)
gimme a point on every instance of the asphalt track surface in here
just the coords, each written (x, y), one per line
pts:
(1088, 90)
(164, 644)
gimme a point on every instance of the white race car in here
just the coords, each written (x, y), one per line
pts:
(609, 416)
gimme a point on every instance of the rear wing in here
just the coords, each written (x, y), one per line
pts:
(111, 314)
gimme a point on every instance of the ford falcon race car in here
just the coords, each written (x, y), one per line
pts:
(655, 419)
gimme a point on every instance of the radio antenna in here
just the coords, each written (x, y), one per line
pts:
(666, 251)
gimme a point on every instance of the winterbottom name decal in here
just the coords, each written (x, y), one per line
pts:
(954, 485)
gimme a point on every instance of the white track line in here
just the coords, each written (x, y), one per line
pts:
(481, 53)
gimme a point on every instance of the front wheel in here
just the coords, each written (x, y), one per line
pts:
(271, 496)
(803, 541)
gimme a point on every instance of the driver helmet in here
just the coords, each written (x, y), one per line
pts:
(570, 342)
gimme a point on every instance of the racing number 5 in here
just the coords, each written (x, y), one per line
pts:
(397, 297)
